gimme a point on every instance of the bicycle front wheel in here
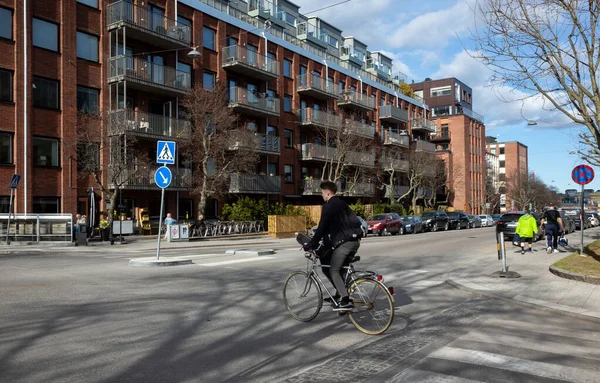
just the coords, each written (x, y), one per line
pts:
(302, 296)
(373, 310)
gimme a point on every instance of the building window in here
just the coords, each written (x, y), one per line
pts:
(87, 99)
(43, 205)
(208, 80)
(187, 69)
(441, 91)
(502, 177)
(231, 41)
(271, 131)
(502, 150)
(45, 151)
(208, 38)
(441, 111)
(287, 68)
(288, 174)
(88, 156)
(287, 103)
(6, 149)
(502, 164)
(272, 169)
(87, 47)
(5, 23)
(45, 34)
(91, 3)
(6, 85)
(186, 22)
(342, 86)
(4, 202)
(288, 138)
(45, 93)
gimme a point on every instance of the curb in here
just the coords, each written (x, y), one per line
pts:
(152, 262)
(250, 252)
(591, 316)
(574, 276)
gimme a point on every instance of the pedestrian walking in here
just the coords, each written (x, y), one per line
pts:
(527, 230)
(554, 227)
(168, 222)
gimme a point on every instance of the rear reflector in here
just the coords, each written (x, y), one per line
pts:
(380, 278)
(391, 290)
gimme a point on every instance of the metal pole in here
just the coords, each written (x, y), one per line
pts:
(120, 215)
(503, 252)
(162, 201)
(582, 223)
(10, 204)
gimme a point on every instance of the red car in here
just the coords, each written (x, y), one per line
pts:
(383, 224)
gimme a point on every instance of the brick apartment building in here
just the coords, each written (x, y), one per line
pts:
(286, 75)
(512, 159)
(459, 137)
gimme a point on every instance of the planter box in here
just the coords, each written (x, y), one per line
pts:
(286, 226)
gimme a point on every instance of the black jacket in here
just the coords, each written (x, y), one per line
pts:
(338, 224)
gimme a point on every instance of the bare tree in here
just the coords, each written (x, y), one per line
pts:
(548, 49)
(527, 191)
(439, 180)
(220, 144)
(105, 152)
(491, 193)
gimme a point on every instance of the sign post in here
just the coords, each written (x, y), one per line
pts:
(165, 154)
(582, 175)
(14, 182)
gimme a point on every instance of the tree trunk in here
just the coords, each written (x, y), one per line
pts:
(202, 202)
(414, 202)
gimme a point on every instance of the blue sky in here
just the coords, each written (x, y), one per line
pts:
(428, 38)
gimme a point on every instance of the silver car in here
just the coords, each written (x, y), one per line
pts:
(486, 220)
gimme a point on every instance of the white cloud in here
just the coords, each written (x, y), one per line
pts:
(491, 101)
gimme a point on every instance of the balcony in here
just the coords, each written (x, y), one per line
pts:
(317, 87)
(399, 190)
(424, 146)
(359, 189)
(422, 124)
(142, 178)
(308, 32)
(145, 25)
(254, 184)
(319, 118)
(382, 71)
(440, 137)
(395, 139)
(314, 152)
(393, 114)
(396, 165)
(147, 76)
(356, 100)
(148, 125)
(359, 129)
(249, 63)
(312, 186)
(241, 100)
(268, 10)
(347, 53)
(264, 144)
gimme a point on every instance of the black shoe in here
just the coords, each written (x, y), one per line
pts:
(344, 305)
(336, 299)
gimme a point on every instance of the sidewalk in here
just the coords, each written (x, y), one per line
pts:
(537, 287)
(142, 243)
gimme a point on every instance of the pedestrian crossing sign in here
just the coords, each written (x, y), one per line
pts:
(165, 152)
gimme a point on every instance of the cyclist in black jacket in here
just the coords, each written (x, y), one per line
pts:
(341, 231)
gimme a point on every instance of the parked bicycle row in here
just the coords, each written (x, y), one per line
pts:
(213, 228)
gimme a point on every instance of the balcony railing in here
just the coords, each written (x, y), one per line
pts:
(268, 10)
(359, 189)
(325, 153)
(395, 139)
(148, 74)
(151, 23)
(392, 113)
(254, 184)
(312, 186)
(319, 118)
(268, 143)
(422, 124)
(253, 103)
(352, 98)
(424, 146)
(475, 116)
(360, 129)
(142, 178)
(383, 71)
(147, 124)
(348, 53)
(400, 190)
(396, 165)
(242, 60)
(317, 87)
(440, 136)
(311, 33)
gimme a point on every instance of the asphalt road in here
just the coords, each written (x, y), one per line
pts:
(91, 317)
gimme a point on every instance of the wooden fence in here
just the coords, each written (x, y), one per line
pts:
(286, 226)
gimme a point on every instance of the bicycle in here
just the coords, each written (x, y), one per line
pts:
(373, 301)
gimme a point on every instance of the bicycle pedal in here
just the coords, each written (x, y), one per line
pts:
(341, 313)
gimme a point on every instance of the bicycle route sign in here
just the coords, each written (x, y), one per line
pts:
(163, 177)
(582, 174)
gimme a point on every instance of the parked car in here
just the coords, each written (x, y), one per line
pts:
(508, 224)
(363, 224)
(568, 223)
(435, 220)
(574, 215)
(412, 224)
(593, 218)
(458, 220)
(496, 217)
(486, 220)
(382, 224)
(474, 221)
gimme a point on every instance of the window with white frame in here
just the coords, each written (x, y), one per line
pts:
(441, 91)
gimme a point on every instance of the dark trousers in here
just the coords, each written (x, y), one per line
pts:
(552, 235)
(337, 259)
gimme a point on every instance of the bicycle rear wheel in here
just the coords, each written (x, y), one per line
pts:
(302, 296)
(373, 310)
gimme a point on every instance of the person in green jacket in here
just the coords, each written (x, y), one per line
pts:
(527, 229)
